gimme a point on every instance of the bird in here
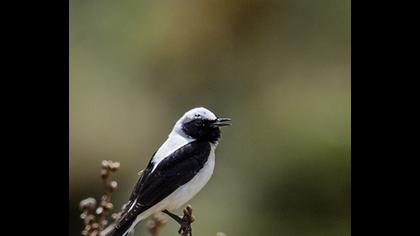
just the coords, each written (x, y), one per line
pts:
(176, 172)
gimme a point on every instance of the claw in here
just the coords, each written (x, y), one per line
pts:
(184, 222)
(185, 229)
(187, 219)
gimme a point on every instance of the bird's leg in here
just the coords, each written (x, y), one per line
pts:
(185, 221)
(185, 228)
(173, 216)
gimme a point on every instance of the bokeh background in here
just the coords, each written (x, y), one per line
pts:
(279, 69)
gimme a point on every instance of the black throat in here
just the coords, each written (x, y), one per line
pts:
(202, 130)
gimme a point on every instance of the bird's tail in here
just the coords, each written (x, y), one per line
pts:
(123, 230)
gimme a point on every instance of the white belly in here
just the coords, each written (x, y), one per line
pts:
(186, 192)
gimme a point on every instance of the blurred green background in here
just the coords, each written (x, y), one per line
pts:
(279, 69)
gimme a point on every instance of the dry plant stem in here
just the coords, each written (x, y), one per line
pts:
(104, 210)
(94, 225)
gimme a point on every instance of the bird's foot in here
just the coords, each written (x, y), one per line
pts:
(185, 229)
(186, 222)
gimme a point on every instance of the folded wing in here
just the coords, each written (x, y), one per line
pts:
(172, 172)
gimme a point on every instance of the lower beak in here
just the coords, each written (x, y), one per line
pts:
(222, 122)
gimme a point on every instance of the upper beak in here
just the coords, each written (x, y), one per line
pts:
(222, 122)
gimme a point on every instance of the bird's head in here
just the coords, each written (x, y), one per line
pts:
(201, 124)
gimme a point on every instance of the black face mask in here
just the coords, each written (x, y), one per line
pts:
(202, 130)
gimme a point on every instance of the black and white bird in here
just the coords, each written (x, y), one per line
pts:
(177, 171)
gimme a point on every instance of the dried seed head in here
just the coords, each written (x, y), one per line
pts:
(104, 198)
(85, 232)
(113, 185)
(88, 203)
(99, 210)
(83, 215)
(89, 219)
(105, 164)
(95, 226)
(107, 205)
(114, 166)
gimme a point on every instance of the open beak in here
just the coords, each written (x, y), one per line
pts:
(222, 122)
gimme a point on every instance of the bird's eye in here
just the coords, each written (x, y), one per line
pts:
(197, 115)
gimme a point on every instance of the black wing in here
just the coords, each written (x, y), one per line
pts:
(140, 181)
(174, 171)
